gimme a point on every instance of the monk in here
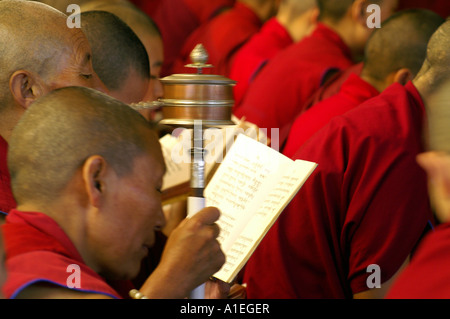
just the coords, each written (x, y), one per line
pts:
(225, 34)
(289, 79)
(294, 20)
(119, 57)
(427, 275)
(399, 64)
(148, 32)
(87, 181)
(177, 19)
(54, 57)
(334, 83)
(365, 207)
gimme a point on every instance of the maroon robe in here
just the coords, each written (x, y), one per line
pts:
(282, 87)
(366, 203)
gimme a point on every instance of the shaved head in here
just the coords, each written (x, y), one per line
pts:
(116, 49)
(335, 10)
(297, 7)
(33, 50)
(61, 130)
(138, 20)
(401, 42)
(436, 69)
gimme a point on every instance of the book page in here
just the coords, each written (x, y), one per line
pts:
(251, 175)
(176, 150)
(264, 217)
(177, 172)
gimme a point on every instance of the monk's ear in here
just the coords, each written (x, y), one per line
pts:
(25, 87)
(403, 76)
(314, 16)
(358, 11)
(94, 178)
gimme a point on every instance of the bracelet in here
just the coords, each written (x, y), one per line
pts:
(136, 294)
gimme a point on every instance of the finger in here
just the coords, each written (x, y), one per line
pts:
(216, 230)
(207, 216)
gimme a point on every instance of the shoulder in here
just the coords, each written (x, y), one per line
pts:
(44, 290)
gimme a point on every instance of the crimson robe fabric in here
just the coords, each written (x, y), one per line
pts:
(7, 201)
(222, 37)
(441, 7)
(427, 276)
(332, 85)
(177, 19)
(366, 203)
(38, 250)
(271, 39)
(353, 92)
(282, 87)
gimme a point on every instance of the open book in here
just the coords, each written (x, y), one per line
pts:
(175, 148)
(251, 188)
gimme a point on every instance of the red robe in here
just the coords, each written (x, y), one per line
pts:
(177, 19)
(428, 275)
(7, 201)
(222, 37)
(264, 45)
(282, 87)
(353, 92)
(38, 250)
(366, 203)
(332, 85)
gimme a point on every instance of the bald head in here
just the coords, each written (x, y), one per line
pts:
(35, 29)
(335, 10)
(131, 15)
(400, 43)
(436, 68)
(62, 130)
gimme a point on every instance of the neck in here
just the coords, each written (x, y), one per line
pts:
(379, 85)
(345, 30)
(72, 221)
(427, 83)
(297, 27)
(8, 120)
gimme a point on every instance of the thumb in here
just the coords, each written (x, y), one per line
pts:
(207, 216)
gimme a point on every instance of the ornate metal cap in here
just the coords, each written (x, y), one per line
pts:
(199, 56)
(197, 96)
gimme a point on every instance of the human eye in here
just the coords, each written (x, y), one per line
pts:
(86, 76)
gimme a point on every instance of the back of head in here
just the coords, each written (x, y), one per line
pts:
(37, 32)
(116, 49)
(135, 18)
(333, 10)
(436, 68)
(400, 43)
(61, 130)
(297, 7)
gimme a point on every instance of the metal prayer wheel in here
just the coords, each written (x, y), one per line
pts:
(197, 97)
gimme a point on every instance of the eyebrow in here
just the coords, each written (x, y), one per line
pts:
(157, 63)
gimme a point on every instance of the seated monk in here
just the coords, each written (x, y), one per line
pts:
(87, 181)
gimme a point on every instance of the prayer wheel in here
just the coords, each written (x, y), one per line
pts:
(190, 98)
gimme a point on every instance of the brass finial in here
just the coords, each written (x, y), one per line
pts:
(199, 56)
